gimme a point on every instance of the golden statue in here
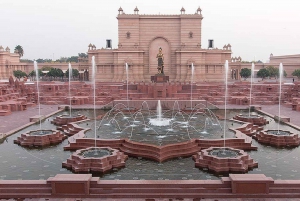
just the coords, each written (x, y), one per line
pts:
(160, 60)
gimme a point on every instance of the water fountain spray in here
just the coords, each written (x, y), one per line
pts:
(158, 109)
(280, 83)
(192, 77)
(252, 72)
(126, 69)
(94, 84)
(70, 75)
(38, 92)
(225, 102)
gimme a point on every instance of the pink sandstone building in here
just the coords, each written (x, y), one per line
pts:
(10, 62)
(139, 38)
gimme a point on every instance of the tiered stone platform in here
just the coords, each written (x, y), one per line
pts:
(95, 160)
(65, 119)
(249, 129)
(14, 97)
(160, 78)
(284, 138)
(157, 153)
(224, 160)
(71, 129)
(19, 96)
(81, 93)
(161, 153)
(253, 118)
(40, 138)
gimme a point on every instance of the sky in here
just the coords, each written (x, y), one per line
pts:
(63, 28)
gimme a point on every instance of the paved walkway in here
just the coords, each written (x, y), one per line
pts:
(19, 118)
(273, 110)
(284, 111)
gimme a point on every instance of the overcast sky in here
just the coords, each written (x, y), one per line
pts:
(63, 28)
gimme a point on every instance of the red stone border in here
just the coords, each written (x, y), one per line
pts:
(260, 121)
(241, 163)
(249, 129)
(264, 137)
(157, 153)
(65, 119)
(86, 186)
(79, 163)
(40, 140)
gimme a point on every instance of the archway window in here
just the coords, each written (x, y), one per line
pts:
(128, 34)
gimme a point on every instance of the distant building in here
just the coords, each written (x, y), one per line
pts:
(179, 36)
(10, 62)
(139, 39)
(290, 62)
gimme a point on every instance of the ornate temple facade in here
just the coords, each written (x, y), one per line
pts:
(179, 36)
(10, 62)
(139, 40)
(290, 62)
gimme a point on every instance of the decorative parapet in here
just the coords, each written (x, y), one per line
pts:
(94, 159)
(253, 118)
(278, 138)
(40, 138)
(65, 119)
(224, 160)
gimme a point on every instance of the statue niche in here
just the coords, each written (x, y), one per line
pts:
(160, 61)
(160, 76)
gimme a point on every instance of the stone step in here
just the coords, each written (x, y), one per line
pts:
(159, 189)
(30, 190)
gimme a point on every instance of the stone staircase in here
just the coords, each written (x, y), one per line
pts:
(160, 153)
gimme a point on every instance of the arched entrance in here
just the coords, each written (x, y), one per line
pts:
(153, 50)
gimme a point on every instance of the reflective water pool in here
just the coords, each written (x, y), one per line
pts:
(25, 163)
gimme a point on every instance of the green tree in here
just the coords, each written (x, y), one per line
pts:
(75, 73)
(55, 72)
(59, 73)
(32, 74)
(44, 60)
(245, 73)
(51, 74)
(263, 73)
(62, 59)
(46, 68)
(18, 74)
(19, 50)
(296, 73)
(26, 60)
(83, 55)
(273, 72)
(284, 73)
(73, 59)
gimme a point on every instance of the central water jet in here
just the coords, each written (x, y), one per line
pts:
(159, 121)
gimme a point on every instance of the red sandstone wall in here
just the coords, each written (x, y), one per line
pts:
(285, 59)
(86, 186)
(147, 34)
